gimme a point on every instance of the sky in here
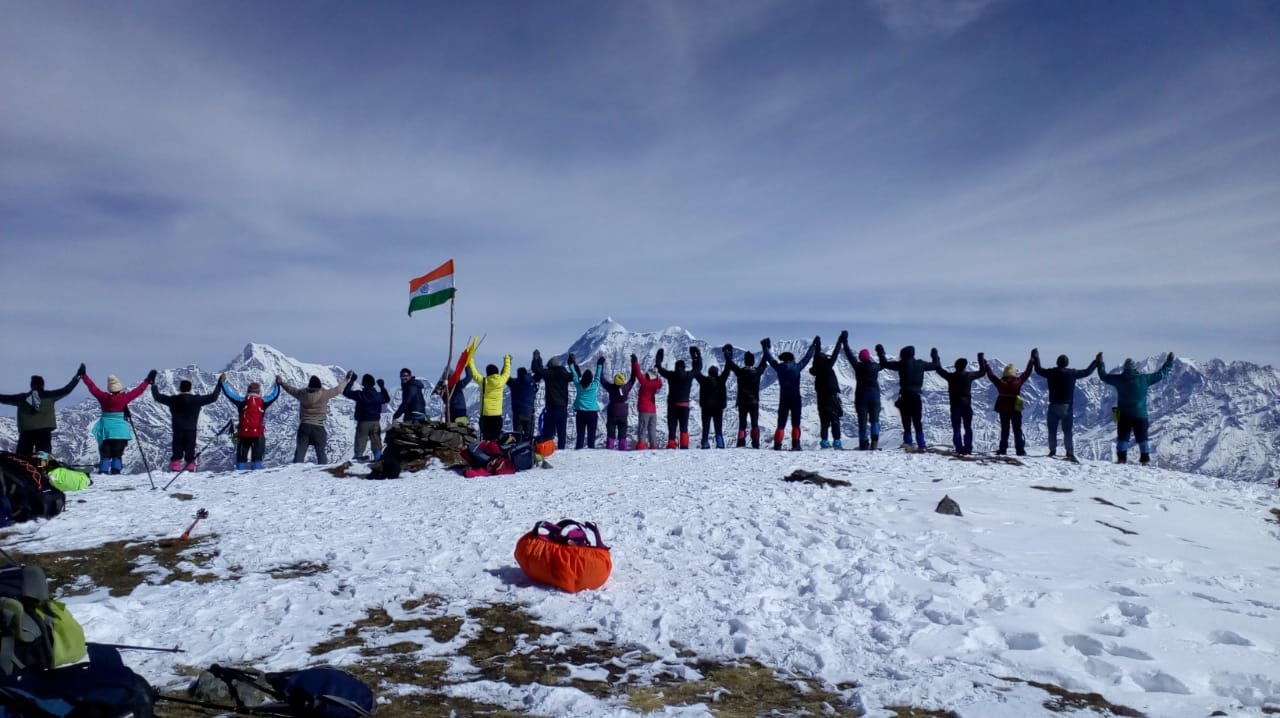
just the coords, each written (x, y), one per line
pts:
(180, 179)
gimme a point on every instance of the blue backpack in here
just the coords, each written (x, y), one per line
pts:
(102, 688)
(319, 692)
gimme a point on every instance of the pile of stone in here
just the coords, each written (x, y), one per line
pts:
(411, 446)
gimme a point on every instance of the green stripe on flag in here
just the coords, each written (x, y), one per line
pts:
(426, 301)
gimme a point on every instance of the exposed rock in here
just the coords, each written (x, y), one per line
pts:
(813, 477)
(948, 506)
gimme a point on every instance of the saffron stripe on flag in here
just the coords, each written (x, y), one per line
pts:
(443, 270)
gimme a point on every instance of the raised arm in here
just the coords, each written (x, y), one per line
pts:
(207, 399)
(349, 391)
(767, 359)
(70, 387)
(336, 389)
(159, 398)
(937, 365)
(1025, 373)
(506, 368)
(986, 368)
(884, 360)
(282, 384)
(535, 366)
(1162, 372)
(231, 395)
(271, 397)
(808, 355)
(93, 388)
(695, 359)
(1082, 373)
(1035, 361)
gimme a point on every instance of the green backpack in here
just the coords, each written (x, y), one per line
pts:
(36, 632)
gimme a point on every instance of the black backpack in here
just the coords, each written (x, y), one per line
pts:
(26, 492)
(102, 688)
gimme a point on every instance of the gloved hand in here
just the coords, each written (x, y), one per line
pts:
(1099, 357)
(879, 350)
(1035, 353)
(222, 378)
(1170, 356)
(81, 370)
(279, 379)
(382, 384)
(695, 352)
(572, 359)
(658, 359)
(635, 359)
(151, 376)
(817, 342)
(600, 360)
(727, 350)
(844, 336)
(350, 374)
(982, 360)
(933, 354)
(765, 343)
(537, 354)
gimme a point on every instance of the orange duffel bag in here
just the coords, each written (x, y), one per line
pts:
(568, 555)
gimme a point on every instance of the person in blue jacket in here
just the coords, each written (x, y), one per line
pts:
(910, 385)
(369, 402)
(524, 389)
(413, 399)
(456, 404)
(586, 403)
(1131, 405)
(866, 395)
(1062, 395)
(788, 371)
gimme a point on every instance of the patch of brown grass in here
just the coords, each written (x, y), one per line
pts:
(1065, 701)
(120, 566)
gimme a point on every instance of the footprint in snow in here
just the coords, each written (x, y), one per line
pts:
(1228, 638)
(1210, 599)
(1160, 682)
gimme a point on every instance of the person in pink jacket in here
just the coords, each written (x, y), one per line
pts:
(647, 405)
(112, 430)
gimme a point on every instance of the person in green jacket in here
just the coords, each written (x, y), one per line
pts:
(36, 418)
(586, 402)
(1131, 404)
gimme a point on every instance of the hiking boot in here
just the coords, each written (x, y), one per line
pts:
(1002, 452)
(377, 456)
(175, 465)
(1122, 457)
(671, 444)
(641, 446)
(255, 465)
(1071, 457)
(1144, 459)
(241, 466)
(875, 443)
(755, 438)
(1053, 452)
(824, 444)
(1021, 452)
(191, 466)
(777, 445)
(742, 440)
(719, 441)
(622, 444)
(117, 465)
(837, 445)
(684, 440)
(610, 443)
(795, 444)
(104, 466)
(705, 444)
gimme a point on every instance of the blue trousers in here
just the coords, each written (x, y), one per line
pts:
(1060, 415)
(556, 421)
(962, 418)
(868, 409)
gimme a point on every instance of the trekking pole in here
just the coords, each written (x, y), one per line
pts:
(201, 514)
(123, 647)
(138, 438)
(230, 423)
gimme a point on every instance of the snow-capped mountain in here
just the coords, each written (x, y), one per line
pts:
(1208, 417)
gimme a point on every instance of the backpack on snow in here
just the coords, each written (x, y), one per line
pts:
(26, 492)
(102, 688)
(319, 692)
(251, 418)
(568, 555)
(36, 632)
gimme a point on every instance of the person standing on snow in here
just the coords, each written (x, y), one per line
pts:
(788, 371)
(960, 397)
(910, 403)
(1062, 395)
(866, 395)
(748, 399)
(1008, 403)
(369, 402)
(679, 386)
(413, 399)
(455, 400)
(313, 409)
(112, 430)
(251, 427)
(1131, 405)
(586, 403)
(491, 386)
(524, 389)
(713, 397)
(184, 410)
(617, 410)
(646, 405)
(556, 378)
(36, 417)
(827, 387)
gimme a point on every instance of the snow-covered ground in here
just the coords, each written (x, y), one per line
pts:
(714, 552)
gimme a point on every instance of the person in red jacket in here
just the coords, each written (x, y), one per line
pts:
(647, 405)
(1008, 403)
(112, 430)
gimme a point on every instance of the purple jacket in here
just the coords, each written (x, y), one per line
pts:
(618, 395)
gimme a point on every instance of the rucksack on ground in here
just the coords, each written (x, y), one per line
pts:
(36, 631)
(568, 555)
(102, 688)
(26, 493)
(317, 692)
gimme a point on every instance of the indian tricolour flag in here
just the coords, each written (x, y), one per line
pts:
(434, 287)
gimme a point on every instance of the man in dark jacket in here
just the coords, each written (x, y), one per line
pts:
(826, 385)
(910, 384)
(788, 371)
(556, 378)
(713, 397)
(36, 418)
(1131, 404)
(679, 386)
(866, 395)
(455, 400)
(369, 402)
(960, 397)
(748, 401)
(1062, 396)
(524, 389)
(413, 399)
(184, 410)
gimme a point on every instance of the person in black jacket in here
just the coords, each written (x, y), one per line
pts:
(184, 411)
(679, 386)
(826, 385)
(1062, 396)
(36, 417)
(524, 389)
(413, 399)
(910, 383)
(556, 378)
(788, 371)
(713, 397)
(369, 402)
(960, 396)
(866, 395)
(748, 402)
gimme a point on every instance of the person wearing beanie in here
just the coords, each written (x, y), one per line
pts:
(826, 385)
(748, 400)
(524, 391)
(1062, 393)
(556, 378)
(586, 402)
(184, 414)
(960, 397)
(313, 409)
(492, 383)
(866, 395)
(35, 414)
(713, 397)
(910, 402)
(1131, 404)
(251, 439)
(413, 399)
(112, 430)
(788, 371)
(1008, 403)
(369, 401)
(617, 410)
(679, 387)
(646, 405)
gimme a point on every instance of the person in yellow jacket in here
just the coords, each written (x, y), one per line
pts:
(491, 386)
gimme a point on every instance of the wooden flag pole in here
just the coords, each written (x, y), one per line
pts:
(448, 363)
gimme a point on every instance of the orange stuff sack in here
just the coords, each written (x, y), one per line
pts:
(545, 448)
(564, 555)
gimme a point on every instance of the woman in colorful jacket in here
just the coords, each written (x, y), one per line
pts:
(713, 397)
(36, 418)
(748, 399)
(586, 403)
(679, 387)
(1008, 403)
(251, 427)
(617, 411)
(788, 371)
(1131, 404)
(960, 398)
(646, 405)
(112, 430)
(491, 385)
